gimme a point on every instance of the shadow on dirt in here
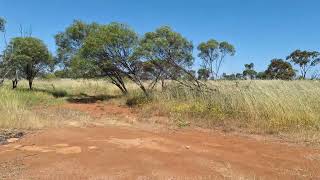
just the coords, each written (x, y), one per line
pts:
(87, 99)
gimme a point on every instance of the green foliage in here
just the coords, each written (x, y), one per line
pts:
(29, 55)
(209, 52)
(305, 59)
(62, 73)
(168, 47)
(261, 75)
(213, 53)
(239, 76)
(49, 76)
(279, 69)
(171, 56)
(71, 40)
(226, 48)
(111, 43)
(111, 47)
(203, 74)
(230, 76)
(82, 68)
(2, 24)
(249, 71)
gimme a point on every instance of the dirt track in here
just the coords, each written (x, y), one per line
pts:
(131, 153)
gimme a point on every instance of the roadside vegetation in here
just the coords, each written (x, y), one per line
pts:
(16, 108)
(258, 106)
(155, 73)
(288, 108)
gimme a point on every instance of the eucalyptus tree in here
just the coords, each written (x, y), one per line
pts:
(30, 55)
(8, 68)
(209, 53)
(111, 47)
(249, 71)
(171, 55)
(213, 54)
(305, 59)
(279, 69)
(70, 41)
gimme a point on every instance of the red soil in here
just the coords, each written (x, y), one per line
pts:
(131, 153)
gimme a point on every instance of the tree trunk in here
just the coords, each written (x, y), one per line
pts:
(14, 83)
(163, 86)
(30, 84)
(144, 90)
(123, 89)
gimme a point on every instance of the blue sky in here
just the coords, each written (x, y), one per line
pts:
(259, 29)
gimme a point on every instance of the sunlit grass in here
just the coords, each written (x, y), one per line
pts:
(255, 106)
(269, 106)
(16, 107)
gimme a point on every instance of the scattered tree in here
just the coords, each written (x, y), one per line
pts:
(209, 53)
(171, 55)
(111, 47)
(212, 52)
(279, 69)
(249, 71)
(225, 49)
(226, 76)
(7, 66)
(305, 59)
(239, 76)
(30, 55)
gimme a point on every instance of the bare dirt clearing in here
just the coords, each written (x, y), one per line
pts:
(116, 152)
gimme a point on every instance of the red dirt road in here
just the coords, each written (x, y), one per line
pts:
(131, 153)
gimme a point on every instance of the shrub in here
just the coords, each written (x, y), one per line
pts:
(59, 93)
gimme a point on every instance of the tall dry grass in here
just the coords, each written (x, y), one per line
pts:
(261, 106)
(15, 108)
(257, 106)
(25, 109)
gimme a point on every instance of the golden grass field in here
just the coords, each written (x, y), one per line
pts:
(290, 108)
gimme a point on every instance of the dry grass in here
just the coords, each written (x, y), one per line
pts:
(24, 109)
(280, 107)
(254, 106)
(15, 108)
